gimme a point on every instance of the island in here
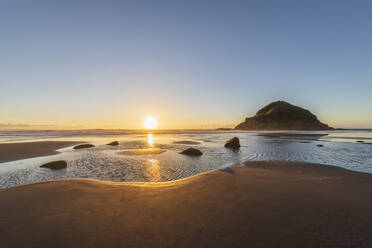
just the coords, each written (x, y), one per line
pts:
(281, 115)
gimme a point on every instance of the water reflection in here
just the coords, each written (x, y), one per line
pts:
(150, 139)
(153, 170)
(161, 161)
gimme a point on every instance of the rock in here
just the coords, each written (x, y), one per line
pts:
(114, 143)
(360, 141)
(319, 145)
(192, 152)
(233, 143)
(281, 115)
(83, 146)
(55, 165)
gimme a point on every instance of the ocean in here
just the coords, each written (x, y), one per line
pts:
(348, 149)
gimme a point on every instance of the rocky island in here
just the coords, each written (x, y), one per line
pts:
(281, 115)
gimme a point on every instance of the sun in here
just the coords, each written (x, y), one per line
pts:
(150, 123)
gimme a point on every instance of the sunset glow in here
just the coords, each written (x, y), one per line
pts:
(185, 123)
(150, 123)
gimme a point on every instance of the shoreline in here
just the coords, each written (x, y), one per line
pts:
(261, 204)
(23, 150)
(229, 169)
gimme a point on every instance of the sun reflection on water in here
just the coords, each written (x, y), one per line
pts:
(150, 140)
(153, 170)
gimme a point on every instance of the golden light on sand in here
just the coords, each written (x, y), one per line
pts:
(153, 170)
(150, 123)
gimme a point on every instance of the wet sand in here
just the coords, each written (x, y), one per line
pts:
(16, 151)
(149, 151)
(290, 135)
(263, 204)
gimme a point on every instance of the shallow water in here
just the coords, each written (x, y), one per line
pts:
(114, 164)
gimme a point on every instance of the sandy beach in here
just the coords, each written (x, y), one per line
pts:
(16, 151)
(262, 204)
(185, 124)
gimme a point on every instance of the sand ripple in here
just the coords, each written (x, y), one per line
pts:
(149, 151)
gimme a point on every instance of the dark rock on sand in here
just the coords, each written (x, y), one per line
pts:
(233, 143)
(114, 143)
(55, 165)
(319, 145)
(83, 146)
(192, 152)
(281, 115)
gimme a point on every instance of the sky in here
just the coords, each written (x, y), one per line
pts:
(190, 64)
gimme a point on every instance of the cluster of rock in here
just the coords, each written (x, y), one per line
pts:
(84, 146)
(233, 144)
(61, 164)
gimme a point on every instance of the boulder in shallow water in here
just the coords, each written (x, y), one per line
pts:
(55, 165)
(233, 143)
(83, 146)
(192, 152)
(319, 145)
(114, 143)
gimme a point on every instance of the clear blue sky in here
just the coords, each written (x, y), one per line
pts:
(188, 63)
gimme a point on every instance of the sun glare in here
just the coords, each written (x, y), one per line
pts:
(150, 123)
(150, 139)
